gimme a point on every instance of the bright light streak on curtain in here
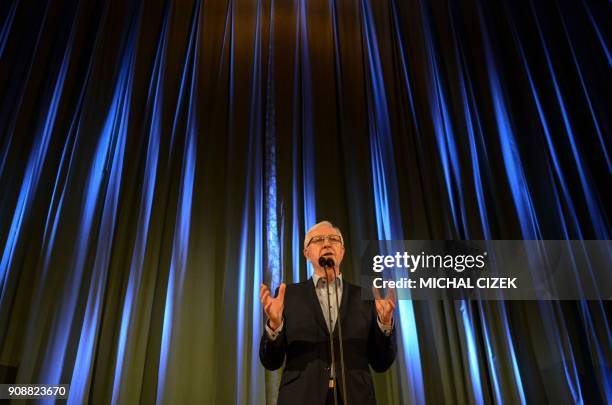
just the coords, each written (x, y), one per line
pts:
(34, 169)
(388, 214)
(464, 306)
(178, 265)
(119, 117)
(452, 175)
(445, 136)
(39, 311)
(472, 351)
(303, 131)
(4, 34)
(154, 103)
(549, 142)
(524, 206)
(180, 243)
(296, 228)
(410, 368)
(594, 342)
(473, 130)
(272, 224)
(512, 160)
(520, 192)
(275, 255)
(108, 160)
(585, 90)
(253, 329)
(601, 230)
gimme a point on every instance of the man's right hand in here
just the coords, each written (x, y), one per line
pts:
(273, 307)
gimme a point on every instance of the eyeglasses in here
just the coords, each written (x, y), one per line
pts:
(320, 239)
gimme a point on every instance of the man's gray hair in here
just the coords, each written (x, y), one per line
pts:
(328, 223)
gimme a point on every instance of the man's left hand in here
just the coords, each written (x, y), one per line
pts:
(385, 306)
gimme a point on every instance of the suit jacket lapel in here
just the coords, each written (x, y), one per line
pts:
(343, 302)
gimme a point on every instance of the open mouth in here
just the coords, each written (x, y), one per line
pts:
(328, 254)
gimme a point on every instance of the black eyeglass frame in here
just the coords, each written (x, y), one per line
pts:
(326, 237)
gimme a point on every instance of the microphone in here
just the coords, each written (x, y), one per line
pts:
(326, 263)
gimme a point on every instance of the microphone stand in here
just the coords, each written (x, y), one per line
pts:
(331, 337)
(329, 264)
(339, 323)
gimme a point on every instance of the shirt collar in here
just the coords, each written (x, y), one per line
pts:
(316, 277)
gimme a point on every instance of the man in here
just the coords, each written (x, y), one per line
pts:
(298, 324)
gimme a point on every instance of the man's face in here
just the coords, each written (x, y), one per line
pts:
(323, 241)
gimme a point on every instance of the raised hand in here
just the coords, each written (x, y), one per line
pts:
(384, 306)
(273, 307)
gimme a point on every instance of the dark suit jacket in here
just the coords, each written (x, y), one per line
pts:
(304, 342)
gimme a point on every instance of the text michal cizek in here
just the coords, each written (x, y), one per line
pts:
(448, 283)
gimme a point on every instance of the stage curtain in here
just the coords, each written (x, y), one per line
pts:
(161, 159)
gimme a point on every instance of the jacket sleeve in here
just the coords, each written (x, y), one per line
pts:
(381, 349)
(272, 352)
